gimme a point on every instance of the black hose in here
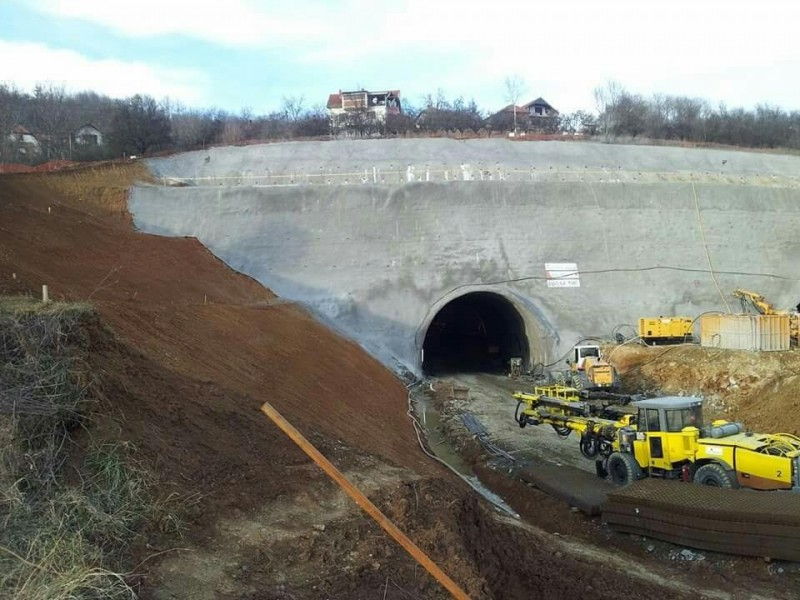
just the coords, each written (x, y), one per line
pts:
(590, 446)
(606, 448)
(562, 432)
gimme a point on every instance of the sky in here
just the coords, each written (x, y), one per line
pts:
(236, 54)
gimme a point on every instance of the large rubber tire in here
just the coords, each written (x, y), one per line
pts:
(519, 417)
(623, 468)
(716, 475)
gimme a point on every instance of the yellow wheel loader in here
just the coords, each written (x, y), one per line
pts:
(589, 371)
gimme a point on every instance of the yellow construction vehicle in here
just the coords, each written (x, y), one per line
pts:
(588, 370)
(762, 306)
(665, 330)
(665, 437)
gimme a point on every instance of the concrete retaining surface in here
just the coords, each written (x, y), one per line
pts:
(744, 522)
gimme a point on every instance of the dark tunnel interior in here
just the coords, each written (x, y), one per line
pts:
(477, 332)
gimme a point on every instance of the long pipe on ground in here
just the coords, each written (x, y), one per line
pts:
(364, 502)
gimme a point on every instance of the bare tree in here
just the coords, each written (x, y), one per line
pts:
(515, 86)
(11, 101)
(605, 97)
(50, 119)
(293, 107)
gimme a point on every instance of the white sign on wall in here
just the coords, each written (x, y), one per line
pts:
(562, 275)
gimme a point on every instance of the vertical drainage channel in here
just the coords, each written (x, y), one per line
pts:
(427, 418)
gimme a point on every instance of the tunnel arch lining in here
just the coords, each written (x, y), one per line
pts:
(536, 335)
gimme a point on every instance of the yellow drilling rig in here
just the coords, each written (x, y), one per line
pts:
(665, 437)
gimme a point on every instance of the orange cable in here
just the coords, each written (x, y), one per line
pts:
(364, 502)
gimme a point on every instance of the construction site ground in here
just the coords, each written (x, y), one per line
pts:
(185, 350)
(562, 473)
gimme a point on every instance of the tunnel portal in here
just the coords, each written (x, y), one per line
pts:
(476, 332)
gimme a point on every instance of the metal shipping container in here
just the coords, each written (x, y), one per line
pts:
(745, 332)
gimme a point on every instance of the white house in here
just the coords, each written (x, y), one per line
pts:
(25, 141)
(88, 135)
(351, 109)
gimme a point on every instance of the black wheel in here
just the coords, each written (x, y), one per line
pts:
(623, 468)
(716, 475)
(520, 417)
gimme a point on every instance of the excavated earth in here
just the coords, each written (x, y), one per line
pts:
(185, 350)
(761, 389)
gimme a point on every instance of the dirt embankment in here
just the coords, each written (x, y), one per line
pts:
(186, 310)
(195, 349)
(762, 389)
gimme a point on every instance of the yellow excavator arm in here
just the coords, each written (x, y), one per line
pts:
(758, 301)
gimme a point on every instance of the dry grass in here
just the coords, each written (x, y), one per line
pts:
(59, 540)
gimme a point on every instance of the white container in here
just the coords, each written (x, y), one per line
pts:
(745, 332)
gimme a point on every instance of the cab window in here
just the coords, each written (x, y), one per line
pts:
(648, 420)
(684, 417)
(652, 420)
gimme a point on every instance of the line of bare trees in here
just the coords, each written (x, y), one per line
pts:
(142, 124)
(136, 125)
(622, 113)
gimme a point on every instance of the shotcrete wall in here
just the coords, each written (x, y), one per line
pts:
(379, 261)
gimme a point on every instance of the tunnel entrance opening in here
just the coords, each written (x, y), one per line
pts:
(476, 332)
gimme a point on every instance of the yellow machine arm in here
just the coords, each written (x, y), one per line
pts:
(561, 408)
(758, 301)
(765, 308)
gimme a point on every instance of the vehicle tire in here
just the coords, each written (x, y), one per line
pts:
(623, 468)
(521, 418)
(715, 475)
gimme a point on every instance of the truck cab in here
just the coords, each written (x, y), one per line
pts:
(667, 431)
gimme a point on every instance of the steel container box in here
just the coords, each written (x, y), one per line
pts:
(745, 332)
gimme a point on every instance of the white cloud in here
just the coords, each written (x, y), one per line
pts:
(730, 50)
(27, 63)
(230, 22)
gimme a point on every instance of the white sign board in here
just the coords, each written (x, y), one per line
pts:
(562, 275)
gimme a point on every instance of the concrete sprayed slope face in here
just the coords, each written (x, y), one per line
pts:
(536, 257)
(354, 157)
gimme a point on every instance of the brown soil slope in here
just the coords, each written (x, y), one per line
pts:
(178, 303)
(762, 389)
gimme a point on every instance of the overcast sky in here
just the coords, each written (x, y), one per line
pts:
(251, 53)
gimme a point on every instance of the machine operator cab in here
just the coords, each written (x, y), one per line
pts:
(581, 353)
(666, 429)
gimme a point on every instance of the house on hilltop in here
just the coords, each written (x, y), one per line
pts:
(540, 108)
(537, 115)
(362, 112)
